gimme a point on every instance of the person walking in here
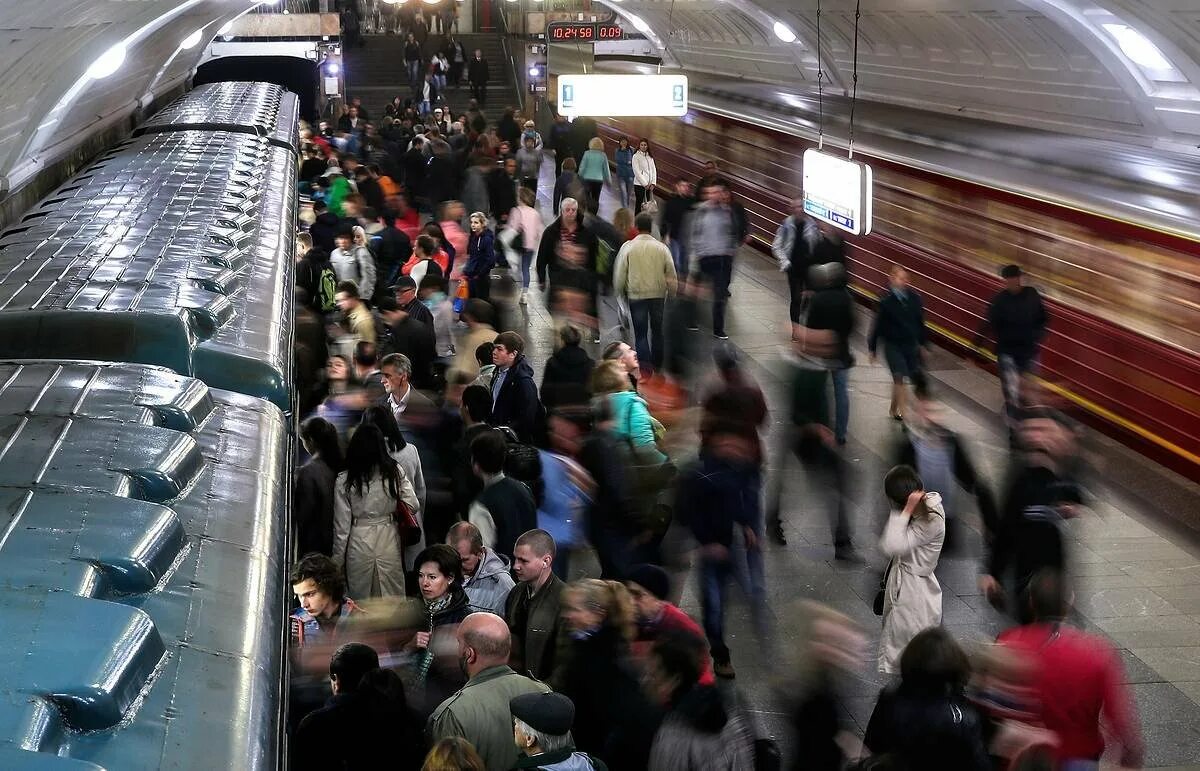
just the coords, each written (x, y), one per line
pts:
(524, 233)
(1017, 318)
(315, 483)
(645, 177)
(831, 310)
(645, 277)
(480, 258)
(412, 61)
(713, 242)
(366, 543)
(623, 156)
(793, 249)
(477, 77)
(900, 323)
(672, 225)
(567, 261)
(594, 171)
(912, 538)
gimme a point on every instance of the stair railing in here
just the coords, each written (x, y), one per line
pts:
(512, 62)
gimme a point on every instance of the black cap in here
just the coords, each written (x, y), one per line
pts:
(550, 713)
(404, 282)
(1010, 271)
(652, 578)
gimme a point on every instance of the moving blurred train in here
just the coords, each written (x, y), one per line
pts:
(145, 446)
(1124, 297)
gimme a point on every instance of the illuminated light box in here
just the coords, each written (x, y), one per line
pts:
(838, 191)
(607, 96)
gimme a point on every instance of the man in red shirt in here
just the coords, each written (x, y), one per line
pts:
(649, 586)
(1078, 678)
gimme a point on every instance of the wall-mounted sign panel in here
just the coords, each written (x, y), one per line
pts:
(622, 95)
(838, 191)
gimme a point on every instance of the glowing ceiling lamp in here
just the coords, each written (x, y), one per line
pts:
(109, 62)
(191, 41)
(784, 32)
(639, 23)
(225, 27)
(1138, 48)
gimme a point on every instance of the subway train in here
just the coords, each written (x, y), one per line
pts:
(146, 443)
(1123, 296)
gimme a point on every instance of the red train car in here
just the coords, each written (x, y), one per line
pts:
(1124, 300)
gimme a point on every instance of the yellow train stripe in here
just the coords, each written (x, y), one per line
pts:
(1066, 393)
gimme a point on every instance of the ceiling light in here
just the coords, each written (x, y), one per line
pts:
(639, 23)
(1135, 45)
(784, 32)
(191, 41)
(109, 62)
(225, 27)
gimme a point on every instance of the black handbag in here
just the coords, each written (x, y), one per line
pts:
(877, 605)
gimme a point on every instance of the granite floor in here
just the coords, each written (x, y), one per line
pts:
(1136, 573)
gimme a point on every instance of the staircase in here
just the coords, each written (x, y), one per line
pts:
(376, 72)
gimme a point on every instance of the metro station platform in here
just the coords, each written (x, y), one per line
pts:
(1136, 576)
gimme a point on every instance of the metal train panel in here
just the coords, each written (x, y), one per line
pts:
(175, 599)
(260, 109)
(173, 250)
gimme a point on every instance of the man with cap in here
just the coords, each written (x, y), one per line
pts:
(1017, 319)
(649, 586)
(542, 732)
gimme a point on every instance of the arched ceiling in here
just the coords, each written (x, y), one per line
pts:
(1051, 63)
(1048, 63)
(49, 104)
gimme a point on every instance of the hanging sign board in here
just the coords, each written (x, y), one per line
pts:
(610, 96)
(838, 191)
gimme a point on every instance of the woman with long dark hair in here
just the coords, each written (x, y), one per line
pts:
(409, 461)
(313, 499)
(366, 542)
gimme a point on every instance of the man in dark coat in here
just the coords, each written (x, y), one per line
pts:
(1017, 317)
(534, 607)
(365, 719)
(514, 395)
(900, 323)
(477, 76)
(504, 508)
(325, 227)
(567, 259)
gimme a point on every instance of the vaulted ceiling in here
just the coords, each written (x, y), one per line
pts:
(1075, 65)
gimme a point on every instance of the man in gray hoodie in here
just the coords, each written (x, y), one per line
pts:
(486, 579)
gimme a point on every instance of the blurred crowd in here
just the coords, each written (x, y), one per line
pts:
(491, 554)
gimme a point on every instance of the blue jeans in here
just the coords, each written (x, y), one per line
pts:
(680, 258)
(841, 403)
(625, 190)
(526, 261)
(414, 72)
(714, 579)
(647, 317)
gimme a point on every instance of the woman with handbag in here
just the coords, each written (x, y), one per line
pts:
(371, 494)
(912, 598)
(440, 580)
(645, 177)
(412, 538)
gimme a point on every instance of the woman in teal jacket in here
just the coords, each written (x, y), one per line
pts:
(594, 171)
(632, 422)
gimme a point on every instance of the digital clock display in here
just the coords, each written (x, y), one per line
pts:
(583, 31)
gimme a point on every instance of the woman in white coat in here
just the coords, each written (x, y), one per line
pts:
(913, 537)
(645, 176)
(366, 543)
(409, 461)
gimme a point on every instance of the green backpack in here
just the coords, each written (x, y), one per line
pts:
(326, 289)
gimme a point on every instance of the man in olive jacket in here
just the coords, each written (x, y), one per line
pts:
(479, 712)
(534, 605)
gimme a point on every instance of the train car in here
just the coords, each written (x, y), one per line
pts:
(142, 567)
(146, 448)
(173, 249)
(1124, 299)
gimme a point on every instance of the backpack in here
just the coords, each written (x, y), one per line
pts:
(326, 289)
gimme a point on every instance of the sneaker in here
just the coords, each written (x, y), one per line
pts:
(724, 670)
(720, 337)
(694, 328)
(596, 338)
(523, 300)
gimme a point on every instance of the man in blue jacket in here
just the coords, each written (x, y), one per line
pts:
(515, 400)
(900, 323)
